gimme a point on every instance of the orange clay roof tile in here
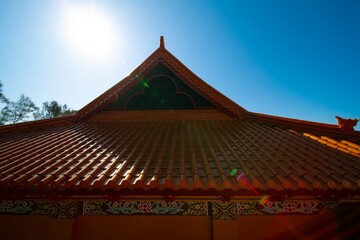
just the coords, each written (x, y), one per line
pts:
(342, 145)
(186, 156)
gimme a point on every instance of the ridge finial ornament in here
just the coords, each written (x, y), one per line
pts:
(162, 42)
(347, 124)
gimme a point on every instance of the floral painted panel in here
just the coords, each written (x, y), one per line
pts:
(218, 210)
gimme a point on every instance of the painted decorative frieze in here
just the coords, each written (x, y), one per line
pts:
(145, 208)
(216, 209)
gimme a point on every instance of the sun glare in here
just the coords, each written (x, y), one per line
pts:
(88, 30)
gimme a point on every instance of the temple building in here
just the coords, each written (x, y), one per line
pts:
(163, 155)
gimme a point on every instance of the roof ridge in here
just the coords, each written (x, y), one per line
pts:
(333, 130)
(42, 123)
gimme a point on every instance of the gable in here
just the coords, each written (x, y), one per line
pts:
(160, 88)
(162, 82)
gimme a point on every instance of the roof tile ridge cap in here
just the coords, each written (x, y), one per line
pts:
(39, 122)
(290, 120)
(74, 115)
(178, 66)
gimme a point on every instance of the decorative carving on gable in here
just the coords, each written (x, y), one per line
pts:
(160, 89)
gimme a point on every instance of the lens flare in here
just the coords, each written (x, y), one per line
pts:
(264, 200)
(144, 83)
(233, 172)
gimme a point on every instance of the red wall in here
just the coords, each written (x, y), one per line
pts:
(32, 227)
(16, 227)
(143, 227)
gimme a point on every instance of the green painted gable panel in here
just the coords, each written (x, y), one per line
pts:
(160, 89)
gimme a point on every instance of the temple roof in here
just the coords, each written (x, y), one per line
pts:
(164, 131)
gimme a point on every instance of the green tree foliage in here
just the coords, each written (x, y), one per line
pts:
(24, 109)
(3, 99)
(52, 109)
(19, 111)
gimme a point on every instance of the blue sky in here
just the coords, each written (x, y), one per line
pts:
(296, 59)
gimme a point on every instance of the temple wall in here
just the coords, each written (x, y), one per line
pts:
(18, 227)
(15, 227)
(143, 227)
(200, 220)
(60, 229)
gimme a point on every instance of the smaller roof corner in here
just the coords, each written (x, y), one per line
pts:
(347, 124)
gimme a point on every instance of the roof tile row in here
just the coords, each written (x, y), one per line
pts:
(342, 145)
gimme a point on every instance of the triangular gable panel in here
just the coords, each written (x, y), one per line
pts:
(162, 82)
(161, 88)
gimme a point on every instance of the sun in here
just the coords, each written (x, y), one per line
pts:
(88, 30)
